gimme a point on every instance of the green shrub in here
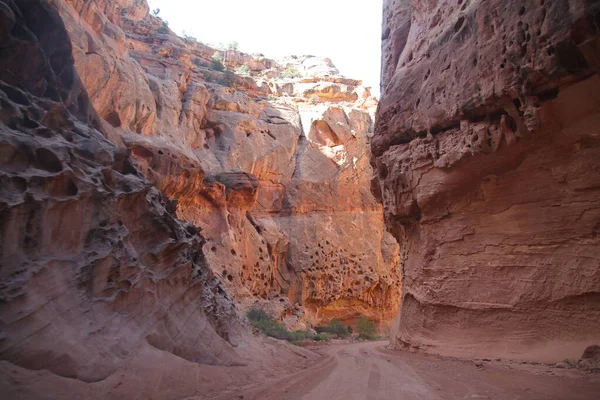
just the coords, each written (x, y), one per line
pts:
(233, 45)
(298, 336)
(163, 30)
(335, 327)
(273, 328)
(291, 72)
(321, 337)
(366, 329)
(243, 70)
(263, 321)
(207, 76)
(189, 38)
(216, 63)
(258, 315)
(349, 329)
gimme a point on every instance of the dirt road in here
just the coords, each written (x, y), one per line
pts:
(369, 371)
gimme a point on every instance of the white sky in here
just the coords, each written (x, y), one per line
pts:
(346, 31)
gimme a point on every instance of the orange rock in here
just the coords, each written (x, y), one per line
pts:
(273, 168)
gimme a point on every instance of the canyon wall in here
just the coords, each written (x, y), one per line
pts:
(270, 163)
(487, 151)
(137, 200)
(151, 195)
(94, 264)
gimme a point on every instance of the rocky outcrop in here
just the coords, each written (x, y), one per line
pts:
(269, 165)
(487, 155)
(94, 260)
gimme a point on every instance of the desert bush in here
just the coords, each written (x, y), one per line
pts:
(291, 72)
(207, 76)
(258, 315)
(273, 328)
(263, 321)
(321, 337)
(243, 70)
(366, 329)
(335, 327)
(216, 63)
(233, 45)
(298, 336)
(189, 38)
(266, 323)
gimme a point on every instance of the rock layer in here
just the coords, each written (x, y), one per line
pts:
(487, 154)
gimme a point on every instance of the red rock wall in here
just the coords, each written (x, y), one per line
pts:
(273, 171)
(93, 259)
(487, 149)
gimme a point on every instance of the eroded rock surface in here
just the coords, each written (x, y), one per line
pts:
(94, 260)
(487, 151)
(104, 292)
(271, 165)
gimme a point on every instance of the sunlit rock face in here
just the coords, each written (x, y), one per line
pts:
(487, 151)
(270, 164)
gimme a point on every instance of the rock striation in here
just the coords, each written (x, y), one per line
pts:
(487, 154)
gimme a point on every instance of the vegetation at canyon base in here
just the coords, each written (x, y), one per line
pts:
(262, 321)
(366, 329)
(335, 327)
(267, 324)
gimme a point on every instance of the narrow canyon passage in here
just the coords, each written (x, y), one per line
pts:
(181, 220)
(369, 371)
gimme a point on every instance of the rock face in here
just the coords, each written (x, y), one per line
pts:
(157, 179)
(104, 291)
(487, 151)
(270, 164)
(94, 260)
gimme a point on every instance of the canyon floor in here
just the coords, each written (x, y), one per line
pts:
(369, 370)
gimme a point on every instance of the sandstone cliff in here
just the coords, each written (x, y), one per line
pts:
(269, 169)
(272, 167)
(93, 258)
(104, 292)
(487, 151)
